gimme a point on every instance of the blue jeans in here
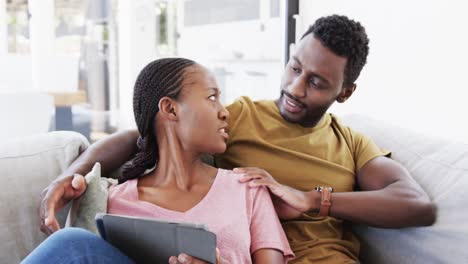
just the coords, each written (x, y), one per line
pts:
(75, 245)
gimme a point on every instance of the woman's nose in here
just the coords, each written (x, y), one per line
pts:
(223, 113)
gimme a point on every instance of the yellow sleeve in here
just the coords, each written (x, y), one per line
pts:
(237, 111)
(365, 149)
(234, 110)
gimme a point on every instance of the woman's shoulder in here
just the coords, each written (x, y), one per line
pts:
(228, 177)
(123, 189)
(229, 180)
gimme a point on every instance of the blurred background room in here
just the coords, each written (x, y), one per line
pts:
(71, 64)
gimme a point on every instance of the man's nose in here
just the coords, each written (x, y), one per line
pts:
(297, 88)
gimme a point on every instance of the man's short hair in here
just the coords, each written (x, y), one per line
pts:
(346, 38)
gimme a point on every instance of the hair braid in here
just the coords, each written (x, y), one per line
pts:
(158, 79)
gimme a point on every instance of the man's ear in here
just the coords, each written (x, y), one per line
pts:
(168, 108)
(346, 93)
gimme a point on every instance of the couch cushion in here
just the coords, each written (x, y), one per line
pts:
(441, 168)
(27, 166)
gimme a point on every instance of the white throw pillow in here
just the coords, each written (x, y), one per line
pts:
(93, 201)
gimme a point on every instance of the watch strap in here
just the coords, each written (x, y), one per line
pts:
(325, 202)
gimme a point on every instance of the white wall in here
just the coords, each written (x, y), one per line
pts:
(59, 73)
(417, 67)
(257, 70)
(25, 114)
(15, 72)
(3, 28)
(41, 70)
(247, 54)
(42, 32)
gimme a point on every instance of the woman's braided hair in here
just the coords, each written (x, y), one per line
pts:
(158, 79)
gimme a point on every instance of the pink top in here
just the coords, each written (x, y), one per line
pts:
(243, 219)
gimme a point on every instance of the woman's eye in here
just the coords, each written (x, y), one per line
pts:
(212, 97)
(295, 69)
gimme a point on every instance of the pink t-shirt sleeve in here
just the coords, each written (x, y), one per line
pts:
(265, 228)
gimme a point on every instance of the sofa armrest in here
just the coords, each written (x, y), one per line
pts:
(441, 168)
(27, 166)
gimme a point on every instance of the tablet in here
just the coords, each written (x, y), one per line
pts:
(147, 240)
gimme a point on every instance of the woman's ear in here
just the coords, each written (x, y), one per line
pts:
(168, 108)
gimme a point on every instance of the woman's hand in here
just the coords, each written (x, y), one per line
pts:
(290, 203)
(187, 259)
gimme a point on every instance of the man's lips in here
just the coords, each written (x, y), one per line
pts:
(292, 105)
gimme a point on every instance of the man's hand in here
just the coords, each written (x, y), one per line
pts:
(186, 259)
(289, 202)
(58, 194)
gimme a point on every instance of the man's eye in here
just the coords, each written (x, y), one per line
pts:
(212, 97)
(315, 83)
(295, 69)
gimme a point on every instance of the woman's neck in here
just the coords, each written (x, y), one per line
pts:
(177, 167)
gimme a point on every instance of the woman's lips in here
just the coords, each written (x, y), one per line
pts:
(223, 133)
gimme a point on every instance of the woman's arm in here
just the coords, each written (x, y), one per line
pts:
(111, 152)
(268, 255)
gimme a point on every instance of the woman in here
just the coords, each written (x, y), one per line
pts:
(180, 118)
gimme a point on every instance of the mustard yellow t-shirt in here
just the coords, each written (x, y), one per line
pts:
(328, 154)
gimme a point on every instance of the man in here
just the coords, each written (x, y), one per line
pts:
(311, 163)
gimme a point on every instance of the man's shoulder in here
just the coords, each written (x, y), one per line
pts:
(335, 120)
(248, 103)
(340, 126)
(342, 130)
(244, 108)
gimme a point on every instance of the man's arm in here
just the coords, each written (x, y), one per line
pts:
(111, 152)
(389, 197)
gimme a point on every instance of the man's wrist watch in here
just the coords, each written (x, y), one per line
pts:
(325, 202)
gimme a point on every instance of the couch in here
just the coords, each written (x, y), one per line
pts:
(439, 166)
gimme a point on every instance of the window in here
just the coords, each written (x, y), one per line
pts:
(18, 26)
(203, 12)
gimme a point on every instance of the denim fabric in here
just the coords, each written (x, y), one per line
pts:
(75, 245)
